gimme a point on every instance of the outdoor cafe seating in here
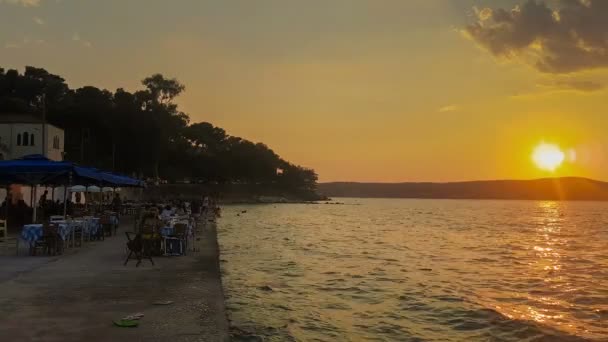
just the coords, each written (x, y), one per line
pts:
(53, 234)
(158, 237)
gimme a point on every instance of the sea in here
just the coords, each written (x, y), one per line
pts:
(416, 270)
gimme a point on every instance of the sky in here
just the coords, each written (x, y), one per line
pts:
(359, 90)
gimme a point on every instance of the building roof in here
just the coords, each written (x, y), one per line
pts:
(19, 118)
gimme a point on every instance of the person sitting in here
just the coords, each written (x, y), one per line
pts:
(166, 213)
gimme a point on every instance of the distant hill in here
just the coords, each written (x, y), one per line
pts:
(568, 188)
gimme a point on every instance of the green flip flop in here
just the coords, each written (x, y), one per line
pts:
(126, 323)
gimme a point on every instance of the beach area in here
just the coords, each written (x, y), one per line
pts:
(78, 295)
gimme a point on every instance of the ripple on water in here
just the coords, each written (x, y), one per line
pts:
(408, 270)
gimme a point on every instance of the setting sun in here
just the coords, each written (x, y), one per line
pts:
(548, 157)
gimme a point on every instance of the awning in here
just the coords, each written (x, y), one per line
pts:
(38, 170)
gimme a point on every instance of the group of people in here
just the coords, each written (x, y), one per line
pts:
(18, 212)
(178, 209)
(208, 207)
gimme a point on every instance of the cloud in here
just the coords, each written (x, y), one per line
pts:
(25, 42)
(570, 38)
(570, 84)
(449, 108)
(77, 38)
(38, 20)
(584, 86)
(24, 3)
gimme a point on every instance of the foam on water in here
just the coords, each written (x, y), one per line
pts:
(417, 270)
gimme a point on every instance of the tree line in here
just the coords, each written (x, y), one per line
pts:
(144, 133)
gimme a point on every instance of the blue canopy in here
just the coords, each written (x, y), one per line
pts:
(38, 170)
(120, 180)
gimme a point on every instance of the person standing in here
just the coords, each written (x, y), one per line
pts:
(42, 201)
(42, 204)
(117, 204)
(205, 206)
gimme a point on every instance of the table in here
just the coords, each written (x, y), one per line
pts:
(33, 232)
(172, 245)
(170, 230)
(167, 231)
(92, 226)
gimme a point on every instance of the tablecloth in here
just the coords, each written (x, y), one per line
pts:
(93, 225)
(169, 229)
(33, 232)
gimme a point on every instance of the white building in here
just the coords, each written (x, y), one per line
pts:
(24, 134)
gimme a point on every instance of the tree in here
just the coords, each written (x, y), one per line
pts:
(144, 133)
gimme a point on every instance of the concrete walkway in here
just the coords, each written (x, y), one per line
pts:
(76, 297)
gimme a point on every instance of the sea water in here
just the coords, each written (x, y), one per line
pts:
(417, 270)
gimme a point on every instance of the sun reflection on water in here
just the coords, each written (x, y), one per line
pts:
(432, 269)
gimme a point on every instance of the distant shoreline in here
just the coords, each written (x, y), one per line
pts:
(548, 189)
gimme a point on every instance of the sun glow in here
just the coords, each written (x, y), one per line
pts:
(548, 157)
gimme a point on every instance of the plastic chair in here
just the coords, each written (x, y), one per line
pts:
(180, 237)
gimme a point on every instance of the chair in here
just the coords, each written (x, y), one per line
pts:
(149, 220)
(78, 234)
(7, 243)
(181, 232)
(3, 230)
(107, 225)
(99, 232)
(50, 241)
(178, 243)
(151, 238)
(137, 249)
(56, 218)
(139, 217)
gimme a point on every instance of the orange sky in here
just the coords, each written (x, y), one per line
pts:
(360, 90)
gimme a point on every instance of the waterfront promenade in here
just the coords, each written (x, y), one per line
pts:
(75, 297)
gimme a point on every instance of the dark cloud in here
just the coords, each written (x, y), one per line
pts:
(569, 38)
(584, 86)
